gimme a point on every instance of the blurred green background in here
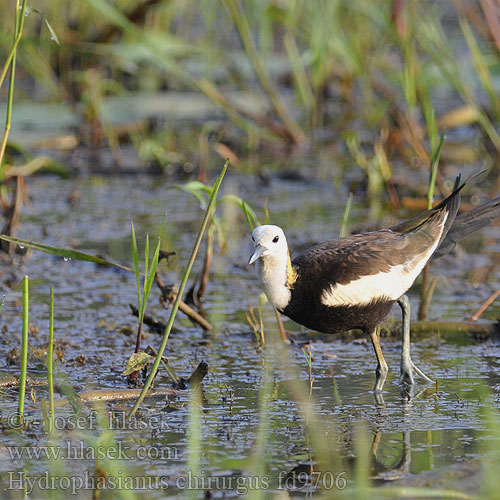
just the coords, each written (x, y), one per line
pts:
(324, 86)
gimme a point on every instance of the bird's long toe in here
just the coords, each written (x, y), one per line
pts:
(419, 372)
(408, 370)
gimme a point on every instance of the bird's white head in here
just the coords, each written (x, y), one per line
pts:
(269, 245)
(274, 267)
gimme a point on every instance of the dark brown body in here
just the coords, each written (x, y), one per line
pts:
(340, 262)
(337, 319)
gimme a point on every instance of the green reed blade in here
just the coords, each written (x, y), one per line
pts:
(194, 449)
(146, 259)
(166, 333)
(18, 31)
(135, 259)
(345, 217)
(434, 167)
(240, 19)
(260, 460)
(50, 362)
(24, 350)
(150, 276)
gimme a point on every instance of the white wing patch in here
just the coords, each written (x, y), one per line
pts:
(388, 285)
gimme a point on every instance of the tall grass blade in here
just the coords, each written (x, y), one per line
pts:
(248, 217)
(18, 31)
(194, 437)
(434, 167)
(135, 260)
(490, 448)
(430, 119)
(299, 71)
(267, 217)
(362, 465)
(175, 306)
(50, 363)
(113, 15)
(408, 75)
(433, 40)
(150, 276)
(24, 350)
(236, 11)
(107, 465)
(345, 217)
(146, 259)
(324, 445)
(12, 53)
(481, 66)
(260, 458)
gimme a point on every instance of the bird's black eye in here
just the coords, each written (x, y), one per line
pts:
(253, 239)
(275, 239)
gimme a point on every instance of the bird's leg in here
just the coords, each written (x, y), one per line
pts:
(406, 376)
(407, 365)
(381, 371)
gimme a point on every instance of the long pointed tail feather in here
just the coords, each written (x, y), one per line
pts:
(467, 223)
(450, 204)
(456, 226)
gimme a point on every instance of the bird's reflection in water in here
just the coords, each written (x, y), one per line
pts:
(390, 453)
(380, 471)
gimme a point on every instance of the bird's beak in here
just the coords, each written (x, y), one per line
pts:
(258, 252)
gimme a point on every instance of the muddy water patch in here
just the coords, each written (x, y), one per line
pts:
(93, 322)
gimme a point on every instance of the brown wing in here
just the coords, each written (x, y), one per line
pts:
(344, 260)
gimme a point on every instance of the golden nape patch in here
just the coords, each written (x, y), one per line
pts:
(291, 273)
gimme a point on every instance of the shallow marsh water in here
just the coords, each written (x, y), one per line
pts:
(94, 325)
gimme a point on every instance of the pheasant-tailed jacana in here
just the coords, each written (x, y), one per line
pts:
(352, 283)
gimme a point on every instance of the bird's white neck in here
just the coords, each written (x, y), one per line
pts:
(277, 275)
